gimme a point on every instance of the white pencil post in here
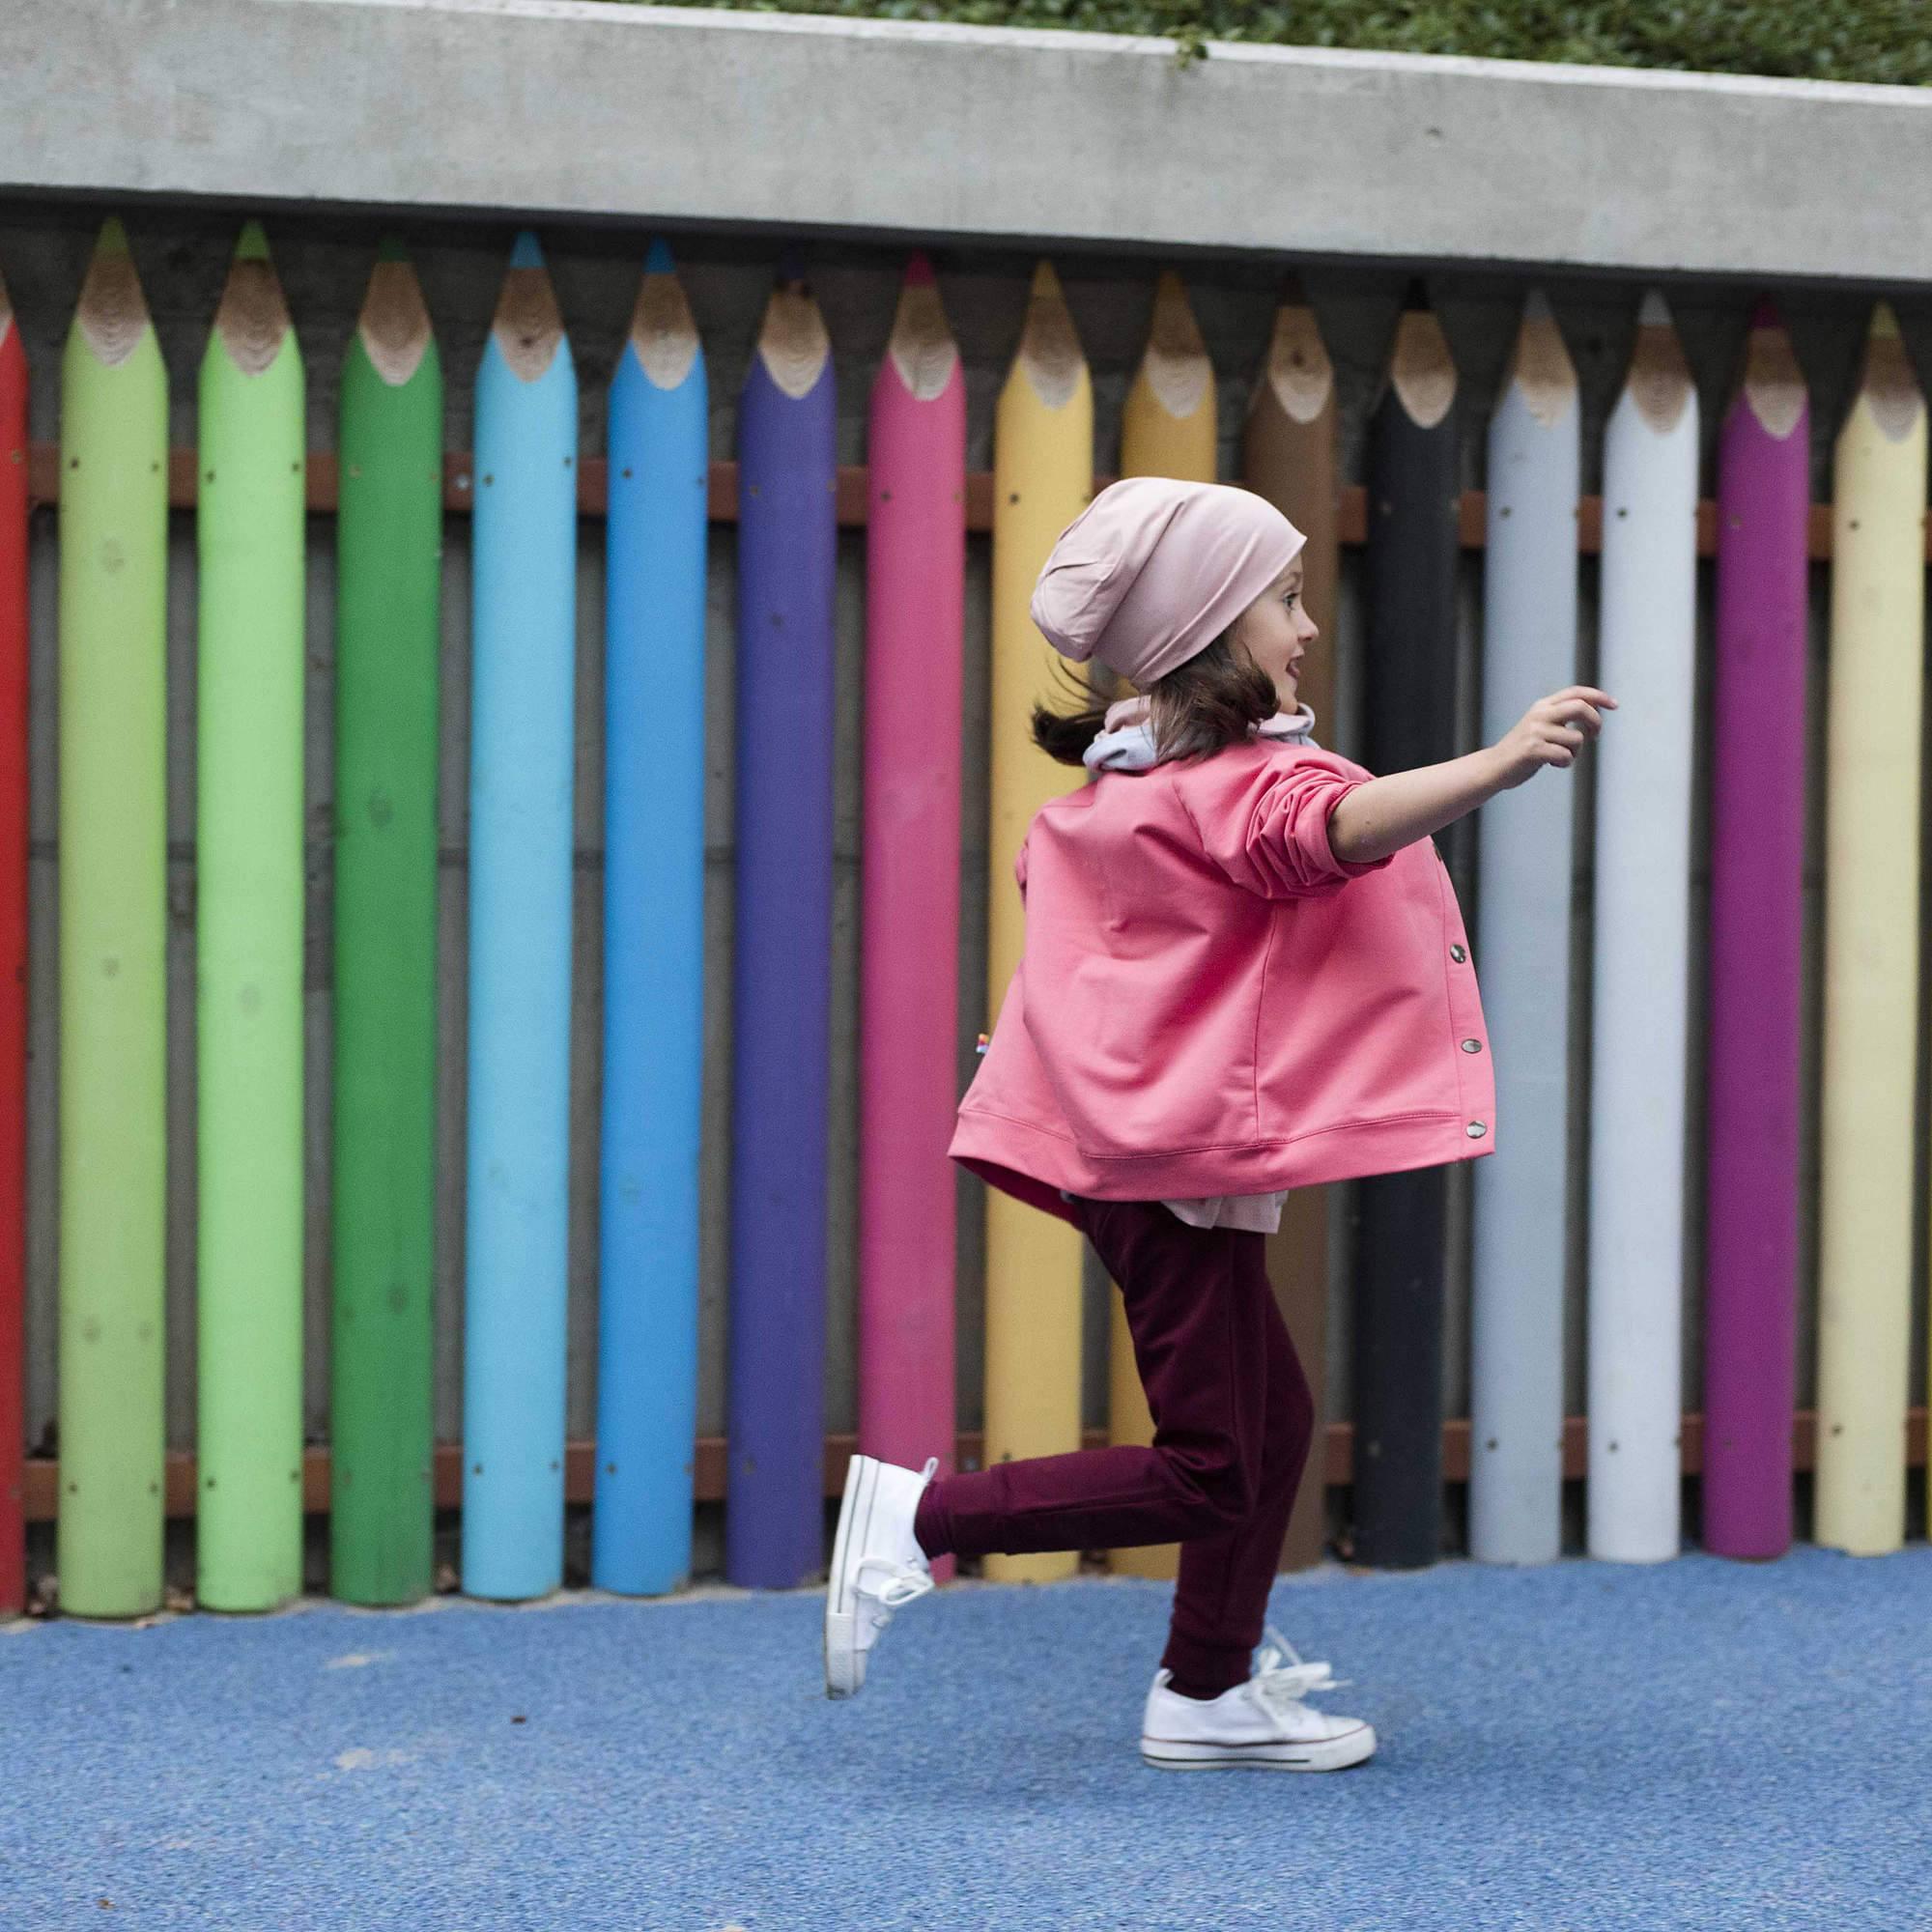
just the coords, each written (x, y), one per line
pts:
(1647, 661)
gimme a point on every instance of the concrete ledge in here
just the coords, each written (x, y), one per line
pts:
(885, 129)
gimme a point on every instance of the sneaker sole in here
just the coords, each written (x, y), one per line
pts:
(1335, 1754)
(844, 1661)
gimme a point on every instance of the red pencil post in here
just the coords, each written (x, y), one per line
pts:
(13, 952)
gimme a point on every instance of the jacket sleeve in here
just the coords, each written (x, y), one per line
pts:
(1265, 825)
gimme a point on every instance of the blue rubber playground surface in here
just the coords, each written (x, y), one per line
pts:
(1697, 1744)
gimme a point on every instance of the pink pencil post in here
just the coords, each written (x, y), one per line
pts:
(908, 999)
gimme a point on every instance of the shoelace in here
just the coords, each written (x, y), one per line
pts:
(1281, 1678)
(901, 1586)
(902, 1582)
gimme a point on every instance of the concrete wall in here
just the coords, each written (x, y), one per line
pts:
(900, 128)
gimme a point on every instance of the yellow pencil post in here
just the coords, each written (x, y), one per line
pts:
(1871, 953)
(1167, 428)
(1043, 479)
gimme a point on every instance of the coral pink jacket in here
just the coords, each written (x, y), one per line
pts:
(1209, 1002)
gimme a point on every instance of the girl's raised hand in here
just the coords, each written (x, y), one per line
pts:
(1551, 731)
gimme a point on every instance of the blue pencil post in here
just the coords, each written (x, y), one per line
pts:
(653, 945)
(787, 543)
(524, 567)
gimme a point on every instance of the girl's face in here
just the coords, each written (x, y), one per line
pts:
(1276, 632)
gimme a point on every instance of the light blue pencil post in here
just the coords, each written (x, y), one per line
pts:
(521, 776)
(653, 945)
(1523, 933)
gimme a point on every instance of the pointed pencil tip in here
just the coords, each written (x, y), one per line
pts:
(1765, 315)
(1655, 312)
(658, 257)
(1883, 321)
(253, 244)
(918, 270)
(1415, 296)
(390, 249)
(527, 253)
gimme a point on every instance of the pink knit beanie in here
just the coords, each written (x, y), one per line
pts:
(1153, 570)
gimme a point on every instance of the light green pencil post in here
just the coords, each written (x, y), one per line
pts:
(113, 943)
(248, 944)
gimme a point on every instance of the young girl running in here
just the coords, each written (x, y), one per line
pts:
(1244, 971)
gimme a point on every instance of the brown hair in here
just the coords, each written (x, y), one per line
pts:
(1197, 708)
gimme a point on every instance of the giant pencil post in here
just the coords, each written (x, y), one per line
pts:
(1288, 455)
(1410, 712)
(1043, 479)
(113, 914)
(251, 533)
(389, 533)
(1519, 1232)
(521, 793)
(782, 965)
(12, 953)
(1756, 959)
(909, 971)
(1868, 1181)
(1167, 428)
(653, 945)
(1647, 633)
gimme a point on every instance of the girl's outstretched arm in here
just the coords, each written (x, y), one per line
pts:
(1387, 814)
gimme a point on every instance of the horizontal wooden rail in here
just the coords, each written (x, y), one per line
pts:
(709, 1462)
(458, 492)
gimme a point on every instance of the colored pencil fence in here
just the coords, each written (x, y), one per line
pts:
(1394, 563)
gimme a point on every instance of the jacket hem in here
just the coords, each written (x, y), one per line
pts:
(1033, 1164)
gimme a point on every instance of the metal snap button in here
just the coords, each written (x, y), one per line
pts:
(1457, 954)
(1472, 1047)
(1475, 1130)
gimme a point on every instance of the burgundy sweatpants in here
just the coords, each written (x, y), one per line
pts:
(1233, 1417)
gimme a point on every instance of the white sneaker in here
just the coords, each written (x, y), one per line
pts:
(876, 1564)
(1259, 1725)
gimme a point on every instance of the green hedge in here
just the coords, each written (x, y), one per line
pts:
(1818, 39)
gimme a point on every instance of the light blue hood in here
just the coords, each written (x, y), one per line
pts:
(1127, 743)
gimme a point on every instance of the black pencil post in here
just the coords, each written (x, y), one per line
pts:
(1409, 718)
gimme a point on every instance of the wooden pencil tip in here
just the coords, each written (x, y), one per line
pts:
(658, 257)
(390, 249)
(1045, 281)
(918, 270)
(1653, 312)
(525, 252)
(1536, 307)
(253, 245)
(113, 238)
(1884, 322)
